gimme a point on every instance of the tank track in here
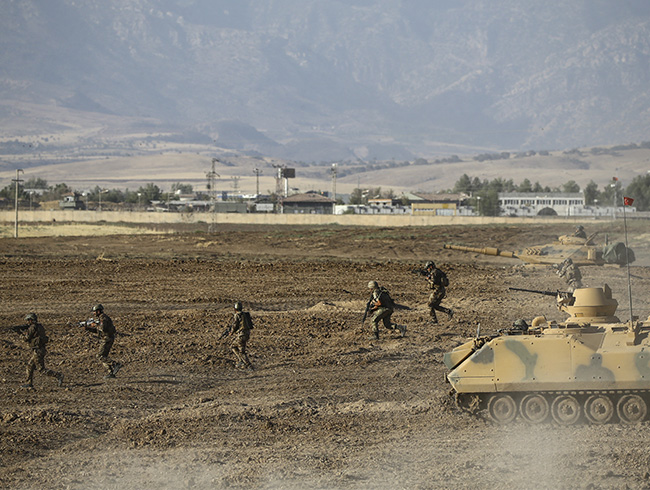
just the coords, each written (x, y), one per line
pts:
(565, 407)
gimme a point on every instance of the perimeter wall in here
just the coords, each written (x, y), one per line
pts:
(271, 219)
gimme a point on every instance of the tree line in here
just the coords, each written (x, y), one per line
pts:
(610, 194)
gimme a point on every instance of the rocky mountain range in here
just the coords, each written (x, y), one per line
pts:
(331, 79)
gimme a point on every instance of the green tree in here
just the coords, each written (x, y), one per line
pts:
(525, 186)
(612, 191)
(639, 190)
(36, 183)
(592, 194)
(356, 196)
(150, 192)
(487, 202)
(570, 187)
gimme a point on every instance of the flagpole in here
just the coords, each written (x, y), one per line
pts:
(627, 200)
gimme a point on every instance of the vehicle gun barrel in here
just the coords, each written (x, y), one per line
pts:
(484, 251)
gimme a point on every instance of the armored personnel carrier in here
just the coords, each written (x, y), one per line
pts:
(590, 365)
(582, 251)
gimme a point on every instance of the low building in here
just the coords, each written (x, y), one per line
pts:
(308, 203)
(439, 204)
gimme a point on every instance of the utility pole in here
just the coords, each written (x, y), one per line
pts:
(334, 168)
(17, 180)
(212, 178)
(257, 173)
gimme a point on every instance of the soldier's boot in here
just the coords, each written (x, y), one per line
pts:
(116, 367)
(434, 318)
(27, 386)
(375, 335)
(402, 330)
(450, 313)
(247, 361)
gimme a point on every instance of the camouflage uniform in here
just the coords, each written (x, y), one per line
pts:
(241, 328)
(580, 232)
(437, 280)
(571, 274)
(106, 331)
(381, 306)
(37, 339)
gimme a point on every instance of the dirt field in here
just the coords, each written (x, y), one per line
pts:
(325, 407)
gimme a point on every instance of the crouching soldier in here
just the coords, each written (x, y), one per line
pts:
(37, 339)
(382, 306)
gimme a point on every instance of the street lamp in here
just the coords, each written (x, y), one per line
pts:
(478, 204)
(18, 180)
(140, 200)
(101, 191)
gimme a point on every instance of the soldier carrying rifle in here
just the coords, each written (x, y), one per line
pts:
(37, 339)
(438, 283)
(382, 306)
(106, 331)
(240, 326)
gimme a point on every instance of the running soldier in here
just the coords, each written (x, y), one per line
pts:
(381, 306)
(37, 339)
(571, 274)
(240, 326)
(438, 283)
(106, 331)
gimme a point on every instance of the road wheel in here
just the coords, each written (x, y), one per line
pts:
(565, 410)
(599, 409)
(502, 409)
(534, 408)
(631, 409)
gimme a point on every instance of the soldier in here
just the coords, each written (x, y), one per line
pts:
(241, 327)
(571, 274)
(438, 282)
(37, 339)
(381, 306)
(106, 331)
(580, 232)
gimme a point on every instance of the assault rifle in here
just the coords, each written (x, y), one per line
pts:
(420, 272)
(365, 313)
(87, 324)
(224, 334)
(17, 328)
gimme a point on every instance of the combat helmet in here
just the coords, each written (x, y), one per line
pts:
(98, 307)
(429, 265)
(238, 306)
(31, 317)
(373, 285)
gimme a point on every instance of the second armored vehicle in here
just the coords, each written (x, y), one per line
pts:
(582, 251)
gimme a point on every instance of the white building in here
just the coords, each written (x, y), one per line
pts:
(552, 204)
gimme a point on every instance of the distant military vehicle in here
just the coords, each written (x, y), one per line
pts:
(72, 201)
(582, 251)
(591, 364)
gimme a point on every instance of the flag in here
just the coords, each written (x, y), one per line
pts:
(614, 179)
(628, 201)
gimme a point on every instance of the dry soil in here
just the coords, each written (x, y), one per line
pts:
(325, 407)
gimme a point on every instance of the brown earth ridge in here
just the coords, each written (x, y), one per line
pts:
(325, 407)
